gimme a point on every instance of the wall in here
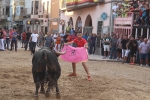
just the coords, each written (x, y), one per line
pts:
(54, 14)
(95, 13)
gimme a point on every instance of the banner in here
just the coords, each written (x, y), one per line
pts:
(73, 54)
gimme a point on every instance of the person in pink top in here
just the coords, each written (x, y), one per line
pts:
(4, 37)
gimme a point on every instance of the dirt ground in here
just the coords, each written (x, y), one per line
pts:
(110, 80)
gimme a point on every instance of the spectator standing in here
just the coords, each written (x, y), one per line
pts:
(65, 37)
(92, 45)
(114, 10)
(85, 36)
(24, 36)
(72, 31)
(133, 49)
(143, 10)
(55, 35)
(137, 54)
(113, 45)
(4, 37)
(7, 39)
(58, 43)
(11, 32)
(33, 39)
(28, 34)
(106, 45)
(1, 40)
(14, 40)
(119, 48)
(147, 15)
(69, 38)
(62, 39)
(40, 39)
(124, 49)
(89, 42)
(143, 51)
(49, 41)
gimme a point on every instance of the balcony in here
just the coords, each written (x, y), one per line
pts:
(18, 18)
(74, 5)
(3, 16)
(26, 11)
(44, 16)
(34, 16)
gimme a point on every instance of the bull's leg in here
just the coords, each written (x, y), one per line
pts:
(57, 91)
(47, 94)
(42, 87)
(37, 88)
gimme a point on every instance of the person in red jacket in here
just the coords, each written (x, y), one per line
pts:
(24, 36)
(80, 42)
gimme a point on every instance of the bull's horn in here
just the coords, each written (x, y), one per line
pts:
(60, 53)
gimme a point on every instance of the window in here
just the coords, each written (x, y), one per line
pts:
(47, 7)
(36, 7)
(43, 7)
(3, 11)
(32, 8)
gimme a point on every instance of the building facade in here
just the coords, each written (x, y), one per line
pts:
(41, 15)
(4, 13)
(90, 16)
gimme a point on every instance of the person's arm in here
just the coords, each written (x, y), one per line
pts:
(127, 45)
(30, 38)
(86, 45)
(52, 42)
(134, 44)
(68, 43)
(139, 48)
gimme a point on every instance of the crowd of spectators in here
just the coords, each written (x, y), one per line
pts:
(126, 49)
(140, 9)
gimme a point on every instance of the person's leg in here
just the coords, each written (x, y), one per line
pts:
(134, 57)
(34, 47)
(141, 59)
(123, 55)
(26, 44)
(111, 52)
(108, 49)
(87, 70)
(6, 44)
(115, 53)
(94, 49)
(91, 48)
(2, 43)
(147, 60)
(15, 42)
(22, 43)
(31, 46)
(104, 50)
(12, 41)
(74, 70)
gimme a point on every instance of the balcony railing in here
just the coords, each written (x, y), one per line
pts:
(78, 4)
(123, 21)
(3, 16)
(26, 11)
(124, 25)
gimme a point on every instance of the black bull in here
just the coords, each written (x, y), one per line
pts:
(45, 63)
